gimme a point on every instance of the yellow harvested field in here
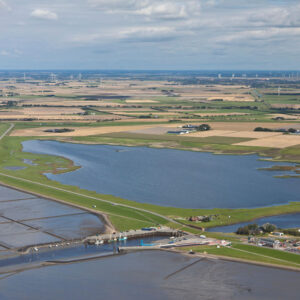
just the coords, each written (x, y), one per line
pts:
(146, 120)
(281, 105)
(282, 141)
(140, 101)
(246, 98)
(62, 117)
(41, 117)
(51, 110)
(252, 134)
(245, 126)
(146, 113)
(220, 114)
(239, 134)
(72, 103)
(79, 131)
(30, 111)
(210, 133)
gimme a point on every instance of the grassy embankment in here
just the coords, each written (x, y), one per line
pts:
(3, 127)
(252, 254)
(123, 218)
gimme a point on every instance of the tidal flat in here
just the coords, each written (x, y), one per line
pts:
(152, 275)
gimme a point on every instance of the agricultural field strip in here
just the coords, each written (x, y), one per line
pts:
(282, 141)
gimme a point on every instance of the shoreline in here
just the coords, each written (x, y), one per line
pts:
(233, 259)
(75, 260)
(180, 252)
(153, 146)
(103, 216)
(109, 228)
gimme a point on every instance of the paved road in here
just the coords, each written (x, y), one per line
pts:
(94, 198)
(7, 131)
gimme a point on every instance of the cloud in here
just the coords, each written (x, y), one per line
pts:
(148, 34)
(167, 10)
(138, 34)
(86, 38)
(44, 14)
(154, 9)
(4, 5)
(277, 17)
(4, 53)
(117, 5)
(15, 52)
(265, 35)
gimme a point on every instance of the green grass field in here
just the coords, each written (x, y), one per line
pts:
(3, 127)
(252, 253)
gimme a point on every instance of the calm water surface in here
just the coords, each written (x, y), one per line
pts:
(152, 275)
(172, 177)
(26, 219)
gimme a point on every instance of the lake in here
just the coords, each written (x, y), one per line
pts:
(151, 275)
(172, 177)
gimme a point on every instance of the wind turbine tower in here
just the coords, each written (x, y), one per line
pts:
(52, 77)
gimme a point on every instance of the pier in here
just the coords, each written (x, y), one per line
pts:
(184, 241)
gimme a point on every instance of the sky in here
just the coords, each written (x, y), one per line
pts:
(150, 34)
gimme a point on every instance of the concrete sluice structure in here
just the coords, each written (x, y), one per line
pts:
(133, 234)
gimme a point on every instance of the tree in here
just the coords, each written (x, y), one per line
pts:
(268, 227)
(203, 127)
(248, 229)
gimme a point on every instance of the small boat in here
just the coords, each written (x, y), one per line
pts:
(99, 242)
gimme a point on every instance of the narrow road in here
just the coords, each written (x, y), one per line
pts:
(94, 198)
(7, 131)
